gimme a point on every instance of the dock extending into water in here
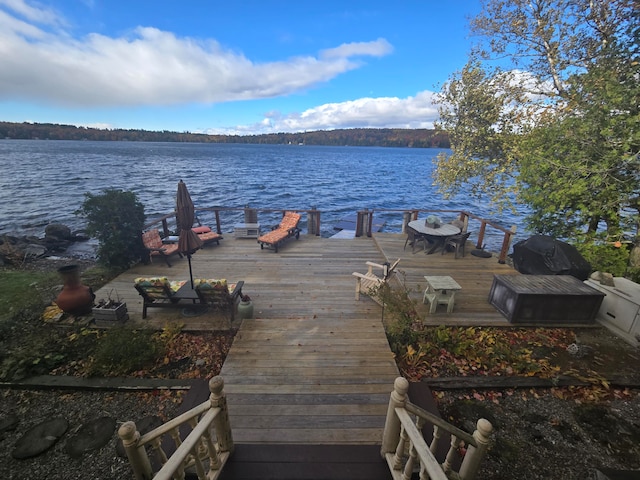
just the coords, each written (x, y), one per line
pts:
(313, 366)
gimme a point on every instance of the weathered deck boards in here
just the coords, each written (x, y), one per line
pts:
(314, 365)
(474, 274)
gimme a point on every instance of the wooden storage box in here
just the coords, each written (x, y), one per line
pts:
(544, 299)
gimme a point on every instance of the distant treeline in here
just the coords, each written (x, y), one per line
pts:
(383, 137)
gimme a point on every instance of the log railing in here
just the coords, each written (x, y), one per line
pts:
(198, 450)
(406, 450)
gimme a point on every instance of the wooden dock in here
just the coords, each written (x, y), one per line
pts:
(314, 365)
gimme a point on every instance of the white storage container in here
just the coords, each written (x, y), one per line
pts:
(620, 309)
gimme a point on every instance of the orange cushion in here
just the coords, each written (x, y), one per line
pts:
(274, 236)
(207, 237)
(201, 229)
(151, 239)
(290, 220)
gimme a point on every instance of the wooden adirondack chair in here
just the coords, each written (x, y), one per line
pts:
(368, 283)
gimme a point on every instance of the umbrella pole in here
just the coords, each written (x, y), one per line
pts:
(190, 271)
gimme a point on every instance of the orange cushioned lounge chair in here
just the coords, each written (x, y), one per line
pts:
(207, 235)
(153, 243)
(288, 228)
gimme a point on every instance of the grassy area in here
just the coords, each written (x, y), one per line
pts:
(23, 290)
(29, 346)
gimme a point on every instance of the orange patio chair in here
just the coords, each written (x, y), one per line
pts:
(153, 243)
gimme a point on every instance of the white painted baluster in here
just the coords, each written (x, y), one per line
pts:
(398, 458)
(434, 441)
(198, 463)
(448, 462)
(177, 440)
(408, 468)
(160, 453)
(214, 460)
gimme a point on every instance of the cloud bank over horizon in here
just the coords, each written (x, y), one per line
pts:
(147, 67)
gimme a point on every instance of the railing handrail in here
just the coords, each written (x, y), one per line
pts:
(434, 419)
(364, 222)
(404, 447)
(427, 460)
(194, 449)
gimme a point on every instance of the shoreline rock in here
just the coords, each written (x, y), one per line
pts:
(58, 240)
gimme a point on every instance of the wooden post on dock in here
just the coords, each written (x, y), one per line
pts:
(313, 221)
(406, 218)
(505, 245)
(250, 215)
(363, 223)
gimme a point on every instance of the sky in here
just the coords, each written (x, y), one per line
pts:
(229, 66)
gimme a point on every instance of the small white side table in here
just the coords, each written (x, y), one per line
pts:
(246, 230)
(441, 290)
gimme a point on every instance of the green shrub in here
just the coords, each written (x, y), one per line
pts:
(122, 351)
(116, 219)
(604, 257)
(401, 317)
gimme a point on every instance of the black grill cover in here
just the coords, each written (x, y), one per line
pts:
(544, 255)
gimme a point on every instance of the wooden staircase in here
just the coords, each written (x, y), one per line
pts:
(306, 462)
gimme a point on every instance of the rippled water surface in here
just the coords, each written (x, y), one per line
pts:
(45, 181)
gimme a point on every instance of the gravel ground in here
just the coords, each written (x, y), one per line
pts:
(539, 436)
(34, 407)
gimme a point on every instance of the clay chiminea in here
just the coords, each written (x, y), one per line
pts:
(75, 298)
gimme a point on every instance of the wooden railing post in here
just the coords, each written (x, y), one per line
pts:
(221, 421)
(406, 218)
(165, 227)
(218, 223)
(505, 245)
(483, 227)
(392, 424)
(136, 454)
(250, 215)
(474, 456)
(360, 215)
(313, 221)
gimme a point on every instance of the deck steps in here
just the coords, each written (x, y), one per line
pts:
(306, 462)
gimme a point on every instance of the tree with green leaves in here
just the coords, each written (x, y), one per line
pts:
(116, 218)
(546, 113)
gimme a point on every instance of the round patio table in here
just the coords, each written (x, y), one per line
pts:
(436, 236)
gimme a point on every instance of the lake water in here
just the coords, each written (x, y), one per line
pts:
(44, 181)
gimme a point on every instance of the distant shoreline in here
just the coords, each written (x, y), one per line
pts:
(356, 137)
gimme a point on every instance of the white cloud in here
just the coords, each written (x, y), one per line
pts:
(147, 67)
(418, 111)
(378, 48)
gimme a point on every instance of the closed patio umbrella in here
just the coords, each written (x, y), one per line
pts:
(188, 241)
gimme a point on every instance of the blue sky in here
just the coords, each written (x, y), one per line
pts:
(236, 67)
